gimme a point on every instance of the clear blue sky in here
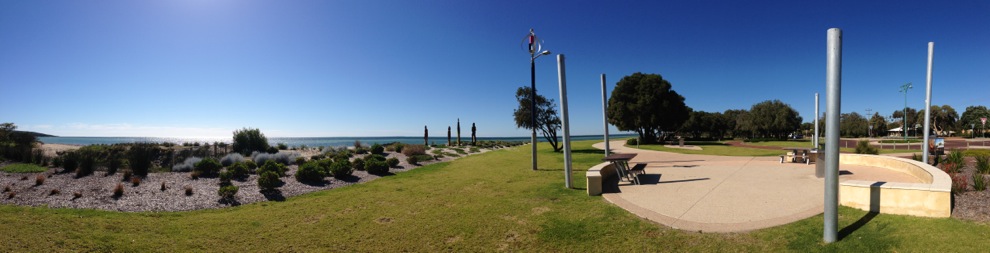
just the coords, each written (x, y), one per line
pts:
(193, 68)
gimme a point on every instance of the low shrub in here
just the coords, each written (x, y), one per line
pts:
(225, 177)
(953, 162)
(474, 150)
(358, 164)
(187, 165)
(271, 150)
(40, 179)
(11, 195)
(423, 158)
(239, 170)
(317, 157)
(280, 157)
(76, 195)
(916, 157)
(70, 161)
(310, 172)
(360, 151)
(268, 180)
(54, 192)
(274, 167)
(983, 164)
(127, 175)
(459, 151)
(113, 164)
(231, 159)
(376, 167)
(282, 146)
(251, 165)
(208, 167)
(6, 188)
(392, 162)
(341, 169)
(395, 147)
(357, 144)
(979, 182)
(163, 186)
(412, 150)
(959, 183)
(632, 142)
(375, 157)
(228, 192)
(140, 156)
(195, 175)
(300, 160)
(135, 181)
(118, 190)
(412, 160)
(188, 190)
(377, 149)
(863, 147)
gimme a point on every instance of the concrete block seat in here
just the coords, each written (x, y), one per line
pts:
(931, 198)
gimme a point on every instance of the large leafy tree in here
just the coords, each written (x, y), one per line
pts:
(912, 118)
(853, 125)
(547, 121)
(943, 119)
(646, 104)
(773, 118)
(700, 123)
(879, 125)
(737, 122)
(971, 117)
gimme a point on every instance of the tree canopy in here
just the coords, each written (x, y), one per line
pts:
(773, 119)
(647, 105)
(248, 140)
(547, 121)
(943, 119)
(971, 117)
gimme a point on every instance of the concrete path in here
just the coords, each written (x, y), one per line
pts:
(726, 193)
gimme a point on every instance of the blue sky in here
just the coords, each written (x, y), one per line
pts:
(194, 68)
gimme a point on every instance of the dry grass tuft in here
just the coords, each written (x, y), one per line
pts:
(118, 190)
(40, 179)
(189, 190)
(135, 181)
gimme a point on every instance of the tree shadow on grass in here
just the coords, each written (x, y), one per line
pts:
(273, 195)
(320, 183)
(230, 202)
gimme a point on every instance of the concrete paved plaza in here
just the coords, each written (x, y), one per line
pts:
(728, 193)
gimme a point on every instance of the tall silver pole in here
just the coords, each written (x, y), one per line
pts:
(562, 76)
(928, 102)
(605, 113)
(833, 100)
(816, 120)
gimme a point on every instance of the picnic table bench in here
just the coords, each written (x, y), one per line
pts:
(798, 155)
(621, 163)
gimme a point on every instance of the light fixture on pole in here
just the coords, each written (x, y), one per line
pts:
(535, 51)
(904, 89)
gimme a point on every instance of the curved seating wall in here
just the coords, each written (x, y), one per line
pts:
(932, 198)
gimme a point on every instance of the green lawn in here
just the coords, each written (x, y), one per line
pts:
(23, 168)
(486, 202)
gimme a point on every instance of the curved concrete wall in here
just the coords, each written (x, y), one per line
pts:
(596, 175)
(932, 198)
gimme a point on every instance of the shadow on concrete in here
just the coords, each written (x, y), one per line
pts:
(684, 161)
(845, 172)
(655, 179)
(611, 185)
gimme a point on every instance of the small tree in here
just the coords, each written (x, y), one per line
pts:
(547, 121)
(248, 140)
(647, 105)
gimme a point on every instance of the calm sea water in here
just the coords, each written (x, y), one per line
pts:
(295, 141)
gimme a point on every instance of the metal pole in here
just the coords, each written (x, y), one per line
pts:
(816, 120)
(928, 102)
(532, 96)
(605, 114)
(562, 76)
(833, 101)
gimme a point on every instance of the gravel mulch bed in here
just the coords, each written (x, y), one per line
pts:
(59, 190)
(971, 205)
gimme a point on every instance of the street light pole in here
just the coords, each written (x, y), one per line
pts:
(904, 89)
(534, 52)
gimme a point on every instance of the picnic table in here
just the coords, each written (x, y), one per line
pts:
(621, 164)
(799, 155)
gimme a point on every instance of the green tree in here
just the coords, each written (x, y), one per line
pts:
(736, 121)
(547, 121)
(773, 119)
(646, 104)
(912, 119)
(248, 140)
(16, 145)
(943, 119)
(879, 125)
(853, 125)
(971, 117)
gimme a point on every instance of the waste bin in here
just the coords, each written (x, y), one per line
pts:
(819, 162)
(680, 142)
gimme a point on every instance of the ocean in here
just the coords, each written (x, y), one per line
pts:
(299, 141)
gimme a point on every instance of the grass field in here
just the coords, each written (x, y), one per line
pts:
(23, 168)
(486, 202)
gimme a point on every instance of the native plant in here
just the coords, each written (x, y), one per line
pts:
(249, 140)
(412, 150)
(208, 166)
(983, 164)
(979, 182)
(187, 165)
(310, 172)
(863, 147)
(268, 180)
(376, 167)
(231, 159)
(392, 162)
(227, 192)
(377, 149)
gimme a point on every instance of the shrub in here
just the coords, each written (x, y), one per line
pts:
(54, 192)
(282, 146)
(118, 190)
(423, 158)
(114, 164)
(360, 151)
(208, 167)
(953, 162)
(341, 169)
(70, 161)
(377, 149)
(358, 164)
(310, 172)
(281, 157)
(189, 190)
(272, 166)
(40, 179)
(238, 170)
(268, 180)
(231, 159)
(412, 150)
(135, 181)
(632, 142)
(300, 160)
(163, 186)
(376, 167)
(249, 140)
(195, 175)
(357, 144)
(140, 156)
(959, 183)
(474, 150)
(318, 157)
(225, 177)
(412, 160)
(11, 195)
(374, 157)
(983, 164)
(863, 147)
(392, 162)
(979, 182)
(6, 188)
(76, 195)
(395, 147)
(916, 157)
(227, 192)
(251, 165)
(127, 175)
(187, 165)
